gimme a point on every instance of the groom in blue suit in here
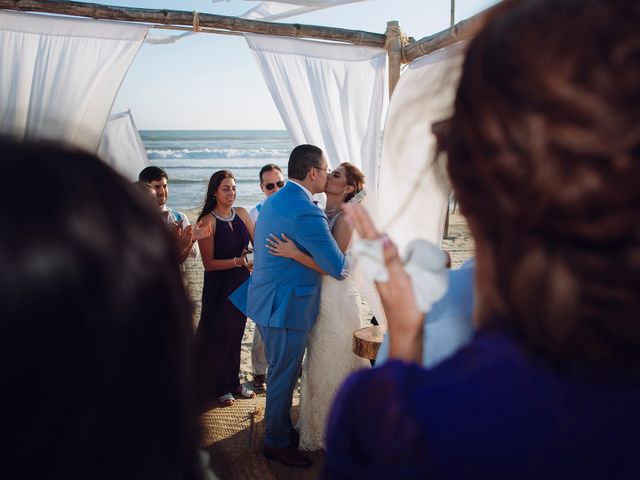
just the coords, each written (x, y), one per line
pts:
(282, 296)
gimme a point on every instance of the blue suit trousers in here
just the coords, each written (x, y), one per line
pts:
(285, 349)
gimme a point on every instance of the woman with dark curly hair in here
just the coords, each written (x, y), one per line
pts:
(544, 158)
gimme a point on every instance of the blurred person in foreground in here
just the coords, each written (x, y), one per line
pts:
(96, 334)
(544, 157)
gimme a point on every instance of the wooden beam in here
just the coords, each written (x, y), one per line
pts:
(394, 51)
(208, 20)
(461, 31)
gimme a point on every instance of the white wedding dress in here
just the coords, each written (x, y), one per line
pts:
(329, 357)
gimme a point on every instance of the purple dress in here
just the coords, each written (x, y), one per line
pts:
(492, 411)
(221, 327)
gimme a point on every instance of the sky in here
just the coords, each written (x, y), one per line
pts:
(212, 82)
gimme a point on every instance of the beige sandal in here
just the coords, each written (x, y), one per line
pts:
(245, 392)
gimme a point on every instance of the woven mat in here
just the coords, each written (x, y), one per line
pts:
(233, 436)
(234, 441)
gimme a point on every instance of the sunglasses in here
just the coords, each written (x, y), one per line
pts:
(271, 186)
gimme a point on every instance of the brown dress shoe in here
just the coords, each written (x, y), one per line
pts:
(288, 456)
(294, 438)
(259, 382)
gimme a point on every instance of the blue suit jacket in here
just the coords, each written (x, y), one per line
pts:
(281, 292)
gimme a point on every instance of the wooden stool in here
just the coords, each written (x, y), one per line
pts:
(367, 341)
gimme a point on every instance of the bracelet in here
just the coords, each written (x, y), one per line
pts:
(234, 262)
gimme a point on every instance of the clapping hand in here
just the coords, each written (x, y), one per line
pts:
(183, 236)
(202, 231)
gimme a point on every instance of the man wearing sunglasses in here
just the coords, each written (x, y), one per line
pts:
(271, 180)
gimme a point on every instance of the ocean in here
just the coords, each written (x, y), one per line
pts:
(190, 157)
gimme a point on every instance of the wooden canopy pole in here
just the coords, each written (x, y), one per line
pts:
(208, 20)
(461, 31)
(394, 51)
(453, 14)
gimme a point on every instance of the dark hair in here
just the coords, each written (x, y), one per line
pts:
(355, 178)
(269, 167)
(150, 174)
(544, 156)
(96, 332)
(302, 159)
(209, 203)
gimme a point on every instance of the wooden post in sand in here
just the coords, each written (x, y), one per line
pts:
(394, 50)
(367, 341)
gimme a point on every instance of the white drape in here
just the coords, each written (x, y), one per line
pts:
(59, 76)
(121, 146)
(275, 9)
(412, 197)
(329, 95)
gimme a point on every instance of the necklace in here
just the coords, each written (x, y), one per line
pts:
(225, 219)
(332, 211)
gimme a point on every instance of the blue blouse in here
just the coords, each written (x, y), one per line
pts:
(491, 411)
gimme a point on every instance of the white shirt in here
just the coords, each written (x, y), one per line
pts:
(255, 211)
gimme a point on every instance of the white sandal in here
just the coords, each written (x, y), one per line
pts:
(226, 400)
(245, 392)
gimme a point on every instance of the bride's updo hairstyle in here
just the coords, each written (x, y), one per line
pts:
(355, 178)
(544, 157)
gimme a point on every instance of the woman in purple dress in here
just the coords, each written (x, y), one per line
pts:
(221, 327)
(544, 156)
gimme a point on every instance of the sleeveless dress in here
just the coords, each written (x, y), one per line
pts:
(329, 358)
(219, 333)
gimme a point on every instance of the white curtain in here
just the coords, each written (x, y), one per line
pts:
(275, 9)
(59, 76)
(412, 196)
(121, 146)
(330, 95)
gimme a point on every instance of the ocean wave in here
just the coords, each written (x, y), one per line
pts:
(204, 180)
(233, 167)
(214, 135)
(214, 153)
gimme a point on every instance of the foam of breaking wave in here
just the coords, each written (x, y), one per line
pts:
(215, 153)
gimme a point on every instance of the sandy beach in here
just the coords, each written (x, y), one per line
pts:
(458, 243)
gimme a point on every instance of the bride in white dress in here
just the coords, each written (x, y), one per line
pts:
(329, 357)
